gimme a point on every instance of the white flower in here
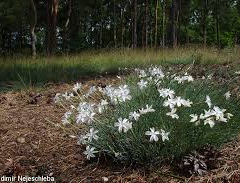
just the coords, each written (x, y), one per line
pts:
(92, 90)
(229, 115)
(142, 84)
(178, 101)
(117, 154)
(66, 117)
(227, 95)
(84, 106)
(194, 118)
(100, 109)
(123, 125)
(90, 152)
(156, 71)
(170, 102)
(219, 113)
(153, 134)
(207, 114)
(184, 78)
(208, 101)
(104, 102)
(102, 105)
(134, 115)
(85, 116)
(56, 99)
(173, 113)
(164, 135)
(77, 87)
(142, 74)
(165, 92)
(186, 103)
(82, 139)
(149, 108)
(121, 94)
(210, 76)
(124, 93)
(150, 78)
(189, 78)
(142, 111)
(92, 135)
(67, 95)
(209, 121)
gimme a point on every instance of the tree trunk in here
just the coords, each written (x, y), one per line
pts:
(163, 23)
(101, 26)
(151, 36)
(21, 36)
(156, 24)
(115, 24)
(204, 23)
(122, 28)
(66, 27)
(52, 8)
(134, 24)
(143, 31)
(146, 23)
(217, 25)
(3, 40)
(179, 21)
(173, 28)
(32, 29)
(218, 32)
(74, 26)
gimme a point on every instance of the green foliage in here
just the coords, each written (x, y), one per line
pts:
(90, 24)
(72, 68)
(184, 137)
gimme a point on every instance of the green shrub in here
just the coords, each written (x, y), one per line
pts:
(175, 134)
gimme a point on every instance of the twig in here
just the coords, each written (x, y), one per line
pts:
(171, 175)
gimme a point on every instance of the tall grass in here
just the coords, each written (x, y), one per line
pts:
(73, 67)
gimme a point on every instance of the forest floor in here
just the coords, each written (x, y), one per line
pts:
(30, 145)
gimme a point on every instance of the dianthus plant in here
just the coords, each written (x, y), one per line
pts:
(152, 116)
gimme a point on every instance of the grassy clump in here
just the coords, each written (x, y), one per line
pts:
(71, 68)
(184, 137)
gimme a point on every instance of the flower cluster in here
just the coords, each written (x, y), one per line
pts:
(154, 134)
(211, 116)
(116, 95)
(173, 102)
(185, 78)
(114, 118)
(124, 125)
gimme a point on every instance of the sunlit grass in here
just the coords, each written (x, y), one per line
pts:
(91, 63)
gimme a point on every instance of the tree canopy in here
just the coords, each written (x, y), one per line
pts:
(64, 26)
